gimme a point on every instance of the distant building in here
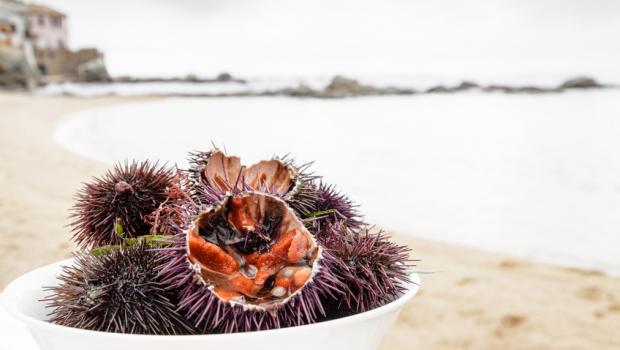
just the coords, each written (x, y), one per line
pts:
(12, 23)
(7, 31)
(47, 27)
(80, 65)
(17, 62)
(34, 48)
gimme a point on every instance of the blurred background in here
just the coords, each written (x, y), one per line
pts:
(483, 134)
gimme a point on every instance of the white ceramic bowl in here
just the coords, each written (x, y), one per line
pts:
(361, 332)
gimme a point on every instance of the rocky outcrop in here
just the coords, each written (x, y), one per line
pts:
(527, 89)
(190, 78)
(224, 77)
(15, 69)
(440, 89)
(93, 71)
(575, 83)
(466, 85)
(580, 83)
(341, 86)
(463, 86)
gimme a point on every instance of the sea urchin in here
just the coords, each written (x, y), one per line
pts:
(117, 205)
(373, 268)
(118, 292)
(334, 207)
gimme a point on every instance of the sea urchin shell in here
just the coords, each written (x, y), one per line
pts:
(118, 292)
(117, 205)
(278, 176)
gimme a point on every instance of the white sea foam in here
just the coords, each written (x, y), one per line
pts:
(171, 88)
(536, 176)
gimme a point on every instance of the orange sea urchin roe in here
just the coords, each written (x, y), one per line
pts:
(251, 275)
(298, 247)
(211, 256)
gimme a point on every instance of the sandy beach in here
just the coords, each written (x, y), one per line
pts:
(474, 300)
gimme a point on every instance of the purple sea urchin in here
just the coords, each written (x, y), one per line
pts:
(118, 292)
(373, 268)
(281, 177)
(250, 264)
(335, 207)
(116, 206)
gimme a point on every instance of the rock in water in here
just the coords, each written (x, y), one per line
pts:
(581, 83)
(342, 87)
(224, 77)
(15, 69)
(466, 85)
(93, 71)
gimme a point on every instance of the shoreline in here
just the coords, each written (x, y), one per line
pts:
(337, 87)
(474, 300)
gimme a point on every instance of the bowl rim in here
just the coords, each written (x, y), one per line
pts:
(14, 288)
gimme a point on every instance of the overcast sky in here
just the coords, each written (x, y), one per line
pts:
(306, 38)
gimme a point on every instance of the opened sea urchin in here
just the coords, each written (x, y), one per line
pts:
(118, 292)
(250, 264)
(117, 205)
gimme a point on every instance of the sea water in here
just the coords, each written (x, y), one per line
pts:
(529, 175)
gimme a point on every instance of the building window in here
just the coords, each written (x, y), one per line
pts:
(42, 69)
(57, 22)
(41, 20)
